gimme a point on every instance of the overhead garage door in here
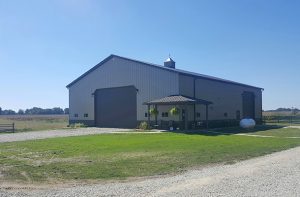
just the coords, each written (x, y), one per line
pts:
(116, 107)
(248, 105)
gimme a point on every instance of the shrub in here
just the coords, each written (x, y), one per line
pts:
(77, 125)
(144, 125)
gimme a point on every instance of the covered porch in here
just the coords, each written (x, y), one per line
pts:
(185, 105)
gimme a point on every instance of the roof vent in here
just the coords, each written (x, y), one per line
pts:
(169, 63)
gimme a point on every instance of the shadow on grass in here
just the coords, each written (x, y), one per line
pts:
(227, 130)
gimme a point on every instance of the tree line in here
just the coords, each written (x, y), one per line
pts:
(35, 111)
(284, 110)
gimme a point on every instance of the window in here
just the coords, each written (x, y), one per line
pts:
(225, 114)
(165, 114)
(198, 115)
(86, 115)
(146, 114)
(76, 115)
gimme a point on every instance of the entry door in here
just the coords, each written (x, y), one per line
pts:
(183, 115)
(248, 105)
(116, 107)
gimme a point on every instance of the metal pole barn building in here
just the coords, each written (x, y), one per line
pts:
(118, 92)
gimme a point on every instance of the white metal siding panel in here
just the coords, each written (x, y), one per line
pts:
(152, 83)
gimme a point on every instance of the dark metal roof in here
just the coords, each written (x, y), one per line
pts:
(177, 100)
(183, 72)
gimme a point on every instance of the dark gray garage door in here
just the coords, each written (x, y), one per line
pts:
(116, 107)
(248, 105)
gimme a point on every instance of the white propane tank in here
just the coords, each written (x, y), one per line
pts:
(247, 123)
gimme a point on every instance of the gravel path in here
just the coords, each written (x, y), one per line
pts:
(277, 174)
(33, 135)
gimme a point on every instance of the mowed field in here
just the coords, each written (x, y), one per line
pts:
(282, 117)
(121, 156)
(278, 113)
(35, 122)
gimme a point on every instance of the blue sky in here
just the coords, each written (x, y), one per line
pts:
(44, 45)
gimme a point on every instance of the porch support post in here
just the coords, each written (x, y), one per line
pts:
(148, 115)
(156, 115)
(207, 116)
(186, 117)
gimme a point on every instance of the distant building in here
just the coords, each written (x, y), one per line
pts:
(118, 92)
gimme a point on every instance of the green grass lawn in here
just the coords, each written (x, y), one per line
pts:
(119, 156)
(264, 130)
(35, 122)
(284, 123)
(288, 132)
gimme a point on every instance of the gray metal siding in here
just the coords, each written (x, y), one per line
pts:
(186, 88)
(182, 72)
(186, 85)
(152, 83)
(226, 98)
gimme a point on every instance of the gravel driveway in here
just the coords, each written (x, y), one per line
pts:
(277, 174)
(33, 135)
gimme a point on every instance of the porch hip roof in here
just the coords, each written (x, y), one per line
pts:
(177, 100)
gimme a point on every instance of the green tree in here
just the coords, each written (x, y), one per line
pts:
(21, 112)
(66, 110)
(294, 111)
